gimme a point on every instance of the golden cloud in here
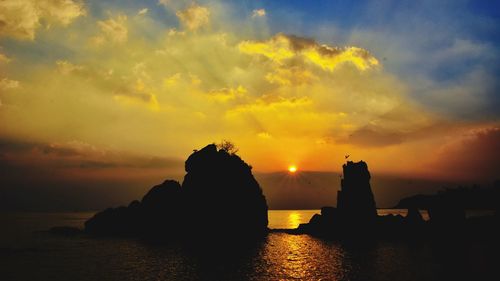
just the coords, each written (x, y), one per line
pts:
(143, 11)
(6, 84)
(4, 58)
(287, 93)
(282, 47)
(227, 94)
(290, 76)
(258, 13)
(113, 30)
(21, 18)
(194, 17)
(65, 67)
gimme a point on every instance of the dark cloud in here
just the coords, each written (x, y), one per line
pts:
(57, 177)
(59, 151)
(9, 145)
(12, 146)
(95, 165)
(399, 125)
(473, 156)
(162, 162)
(14, 153)
(131, 93)
(371, 136)
(376, 136)
(299, 43)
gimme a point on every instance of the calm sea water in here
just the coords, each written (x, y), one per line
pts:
(292, 218)
(26, 253)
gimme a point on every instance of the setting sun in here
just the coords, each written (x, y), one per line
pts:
(292, 169)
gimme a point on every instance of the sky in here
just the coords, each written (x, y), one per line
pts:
(99, 100)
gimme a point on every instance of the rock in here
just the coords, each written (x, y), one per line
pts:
(221, 194)
(446, 213)
(160, 210)
(121, 221)
(355, 212)
(330, 215)
(328, 211)
(355, 199)
(219, 197)
(414, 216)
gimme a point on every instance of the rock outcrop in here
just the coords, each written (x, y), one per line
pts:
(221, 193)
(159, 211)
(356, 210)
(356, 216)
(218, 198)
(355, 198)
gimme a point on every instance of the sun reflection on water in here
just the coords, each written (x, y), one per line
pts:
(294, 219)
(302, 257)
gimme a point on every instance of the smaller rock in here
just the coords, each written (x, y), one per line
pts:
(414, 216)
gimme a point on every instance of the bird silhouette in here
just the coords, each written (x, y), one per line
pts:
(347, 156)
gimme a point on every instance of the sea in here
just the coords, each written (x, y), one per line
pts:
(29, 252)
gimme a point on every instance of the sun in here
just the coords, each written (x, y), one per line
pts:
(292, 168)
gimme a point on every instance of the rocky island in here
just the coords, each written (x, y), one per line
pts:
(220, 200)
(216, 181)
(355, 216)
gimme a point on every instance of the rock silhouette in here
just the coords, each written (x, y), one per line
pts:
(220, 192)
(219, 196)
(355, 199)
(356, 210)
(159, 210)
(356, 214)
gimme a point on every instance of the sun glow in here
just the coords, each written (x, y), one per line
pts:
(292, 169)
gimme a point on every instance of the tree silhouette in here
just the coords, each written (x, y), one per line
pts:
(228, 147)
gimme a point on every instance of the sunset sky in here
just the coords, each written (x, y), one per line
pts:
(112, 91)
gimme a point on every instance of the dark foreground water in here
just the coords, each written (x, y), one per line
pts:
(27, 254)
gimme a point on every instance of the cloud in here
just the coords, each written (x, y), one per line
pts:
(293, 75)
(113, 30)
(258, 13)
(137, 92)
(6, 84)
(279, 116)
(175, 32)
(65, 67)
(282, 48)
(21, 18)
(448, 64)
(370, 136)
(264, 135)
(404, 123)
(473, 155)
(176, 5)
(234, 80)
(194, 17)
(227, 94)
(4, 58)
(143, 12)
(77, 155)
(473, 97)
